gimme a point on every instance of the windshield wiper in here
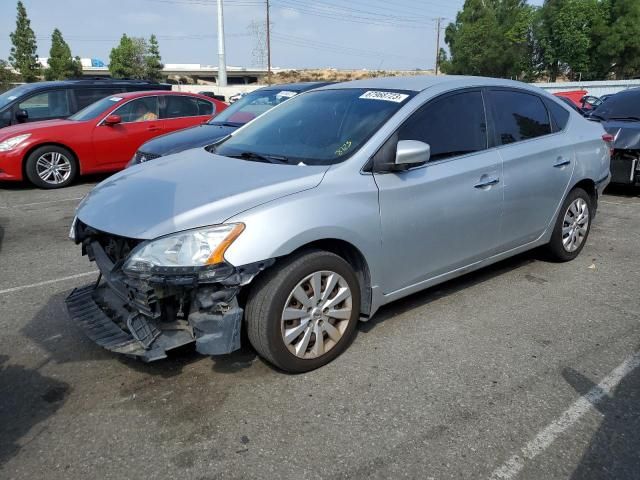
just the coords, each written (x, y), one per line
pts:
(225, 124)
(260, 157)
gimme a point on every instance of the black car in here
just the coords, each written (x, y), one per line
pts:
(620, 117)
(243, 111)
(60, 99)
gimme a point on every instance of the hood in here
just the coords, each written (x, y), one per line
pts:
(194, 137)
(31, 127)
(188, 190)
(626, 134)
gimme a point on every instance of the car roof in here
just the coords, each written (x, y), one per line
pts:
(418, 83)
(85, 83)
(148, 93)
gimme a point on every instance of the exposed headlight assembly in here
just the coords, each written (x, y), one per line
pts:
(192, 251)
(13, 142)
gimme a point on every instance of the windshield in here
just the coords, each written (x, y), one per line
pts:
(95, 109)
(251, 106)
(10, 95)
(622, 105)
(318, 128)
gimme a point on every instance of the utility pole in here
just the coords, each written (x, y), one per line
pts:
(222, 63)
(268, 44)
(437, 44)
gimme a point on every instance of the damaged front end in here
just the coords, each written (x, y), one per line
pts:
(146, 314)
(625, 157)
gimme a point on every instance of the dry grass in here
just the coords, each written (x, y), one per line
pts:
(331, 75)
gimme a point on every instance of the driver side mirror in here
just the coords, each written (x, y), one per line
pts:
(112, 120)
(411, 152)
(22, 115)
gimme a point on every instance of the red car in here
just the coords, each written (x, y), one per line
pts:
(100, 138)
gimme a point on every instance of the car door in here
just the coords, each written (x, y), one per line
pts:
(181, 111)
(537, 164)
(114, 145)
(46, 105)
(445, 214)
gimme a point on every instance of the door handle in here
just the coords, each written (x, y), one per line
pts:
(561, 162)
(153, 128)
(486, 182)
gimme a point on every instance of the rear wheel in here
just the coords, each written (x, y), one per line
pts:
(303, 313)
(51, 166)
(572, 226)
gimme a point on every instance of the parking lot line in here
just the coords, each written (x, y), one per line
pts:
(42, 203)
(47, 282)
(512, 467)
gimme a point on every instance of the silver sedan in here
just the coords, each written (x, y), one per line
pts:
(339, 201)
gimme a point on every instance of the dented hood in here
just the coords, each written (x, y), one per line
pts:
(188, 190)
(626, 134)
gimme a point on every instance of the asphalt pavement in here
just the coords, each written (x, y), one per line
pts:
(526, 370)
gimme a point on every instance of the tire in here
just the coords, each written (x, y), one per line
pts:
(274, 290)
(46, 157)
(566, 246)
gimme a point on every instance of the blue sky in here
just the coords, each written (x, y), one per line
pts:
(372, 34)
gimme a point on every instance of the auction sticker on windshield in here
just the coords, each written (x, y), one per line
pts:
(115, 99)
(386, 96)
(285, 94)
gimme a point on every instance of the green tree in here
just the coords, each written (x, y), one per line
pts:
(24, 57)
(61, 64)
(128, 59)
(153, 60)
(618, 47)
(490, 38)
(6, 76)
(564, 36)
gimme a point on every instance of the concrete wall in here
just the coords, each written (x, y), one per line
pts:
(226, 91)
(594, 88)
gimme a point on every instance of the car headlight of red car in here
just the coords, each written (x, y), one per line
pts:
(13, 142)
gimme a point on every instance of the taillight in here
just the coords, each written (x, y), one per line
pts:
(608, 138)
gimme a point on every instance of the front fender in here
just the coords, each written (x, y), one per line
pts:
(327, 212)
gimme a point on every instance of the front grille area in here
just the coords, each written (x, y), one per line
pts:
(117, 248)
(142, 157)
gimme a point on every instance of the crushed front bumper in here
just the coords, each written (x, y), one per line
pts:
(146, 318)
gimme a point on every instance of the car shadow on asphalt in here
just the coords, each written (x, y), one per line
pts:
(622, 191)
(451, 287)
(614, 449)
(27, 398)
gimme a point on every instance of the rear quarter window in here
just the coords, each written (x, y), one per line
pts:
(559, 115)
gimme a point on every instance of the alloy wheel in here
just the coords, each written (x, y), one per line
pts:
(575, 225)
(316, 314)
(53, 168)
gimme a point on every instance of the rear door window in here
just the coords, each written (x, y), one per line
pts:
(205, 108)
(178, 106)
(53, 104)
(452, 125)
(87, 96)
(518, 116)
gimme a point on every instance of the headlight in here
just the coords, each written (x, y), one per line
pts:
(13, 142)
(184, 252)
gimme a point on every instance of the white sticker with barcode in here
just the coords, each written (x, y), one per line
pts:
(115, 99)
(386, 96)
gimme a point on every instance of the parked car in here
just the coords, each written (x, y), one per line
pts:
(33, 102)
(100, 138)
(620, 116)
(236, 96)
(213, 95)
(567, 101)
(581, 99)
(317, 213)
(239, 113)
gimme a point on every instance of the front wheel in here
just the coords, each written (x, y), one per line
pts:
(572, 226)
(51, 166)
(303, 313)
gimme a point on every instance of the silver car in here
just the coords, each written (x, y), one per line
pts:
(339, 201)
